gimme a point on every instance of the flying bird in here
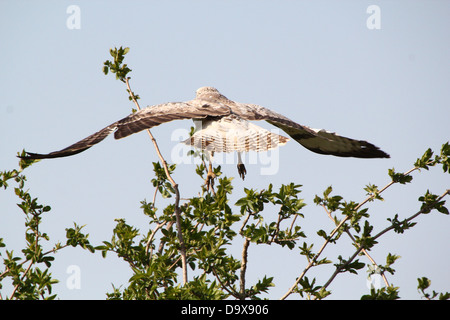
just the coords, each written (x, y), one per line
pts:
(223, 125)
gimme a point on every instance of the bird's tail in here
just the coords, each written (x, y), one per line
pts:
(234, 134)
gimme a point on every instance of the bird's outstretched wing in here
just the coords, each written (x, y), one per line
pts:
(138, 121)
(210, 103)
(75, 148)
(316, 140)
(156, 115)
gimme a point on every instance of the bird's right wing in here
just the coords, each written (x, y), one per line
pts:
(317, 140)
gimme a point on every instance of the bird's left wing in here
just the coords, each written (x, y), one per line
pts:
(143, 119)
(75, 148)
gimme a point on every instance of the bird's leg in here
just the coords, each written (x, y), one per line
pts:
(241, 167)
(209, 181)
(210, 176)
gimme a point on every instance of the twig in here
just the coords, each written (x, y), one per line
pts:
(36, 232)
(379, 235)
(23, 276)
(180, 235)
(447, 192)
(245, 222)
(277, 229)
(159, 226)
(293, 222)
(224, 285)
(154, 197)
(174, 185)
(366, 253)
(314, 259)
(162, 243)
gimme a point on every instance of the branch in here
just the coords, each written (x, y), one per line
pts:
(230, 291)
(314, 259)
(366, 253)
(174, 185)
(147, 247)
(447, 192)
(21, 279)
(245, 222)
(243, 268)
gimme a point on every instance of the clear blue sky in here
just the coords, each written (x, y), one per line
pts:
(316, 62)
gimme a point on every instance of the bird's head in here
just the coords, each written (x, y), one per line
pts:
(208, 92)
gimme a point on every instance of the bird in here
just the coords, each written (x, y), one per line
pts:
(223, 125)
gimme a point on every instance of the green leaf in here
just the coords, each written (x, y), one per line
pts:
(445, 157)
(400, 226)
(424, 162)
(385, 293)
(351, 267)
(429, 202)
(372, 191)
(424, 283)
(399, 177)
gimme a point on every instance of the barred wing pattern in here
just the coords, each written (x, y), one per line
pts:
(77, 147)
(225, 127)
(138, 121)
(232, 133)
(316, 140)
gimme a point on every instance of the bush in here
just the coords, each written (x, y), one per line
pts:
(196, 235)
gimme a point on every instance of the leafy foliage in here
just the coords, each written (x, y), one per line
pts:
(30, 273)
(424, 284)
(210, 228)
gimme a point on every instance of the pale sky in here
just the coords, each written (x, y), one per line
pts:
(325, 64)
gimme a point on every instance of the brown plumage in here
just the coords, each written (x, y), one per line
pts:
(225, 127)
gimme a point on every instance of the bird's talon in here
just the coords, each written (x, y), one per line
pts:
(241, 170)
(209, 181)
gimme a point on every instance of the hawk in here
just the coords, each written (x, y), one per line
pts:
(223, 125)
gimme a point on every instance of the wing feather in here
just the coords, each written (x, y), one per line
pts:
(210, 103)
(316, 140)
(143, 119)
(156, 115)
(77, 147)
